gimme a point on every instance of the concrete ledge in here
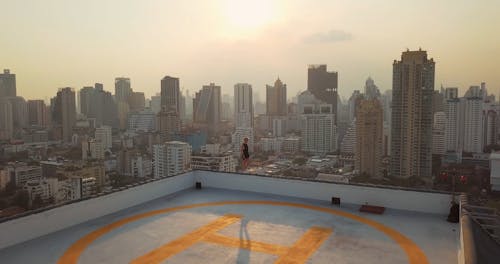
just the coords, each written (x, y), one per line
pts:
(48, 220)
(476, 245)
(25, 228)
(401, 199)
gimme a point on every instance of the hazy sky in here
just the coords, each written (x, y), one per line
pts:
(56, 43)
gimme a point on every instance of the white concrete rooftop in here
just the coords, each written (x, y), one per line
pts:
(216, 225)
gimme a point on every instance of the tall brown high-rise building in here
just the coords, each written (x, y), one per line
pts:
(37, 113)
(64, 112)
(85, 100)
(369, 137)
(411, 136)
(323, 84)
(136, 101)
(122, 89)
(207, 108)
(170, 94)
(7, 84)
(168, 124)
(276, 99)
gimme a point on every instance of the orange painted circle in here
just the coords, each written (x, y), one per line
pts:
(414, 253)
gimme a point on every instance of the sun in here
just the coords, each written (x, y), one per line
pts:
(249, 15)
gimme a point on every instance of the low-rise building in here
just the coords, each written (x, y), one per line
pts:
(70, 189)
(95, 170)
(45, 189)
(171, 158)
(141, 166)
(291, 145)
(221, 162)
(273, 144)
(22, 173)
(211, 149)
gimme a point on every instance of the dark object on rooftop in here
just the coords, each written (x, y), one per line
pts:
(198, 185)
(336, 200)
(454, 215)
(372, 209)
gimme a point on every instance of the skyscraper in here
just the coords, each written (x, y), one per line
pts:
(472, 109)
(439, 133)
(276, 99)
(243, 116)
(317, 124)
(387, 105)
(490, 118)
(136, 101)
(155, 104)
(170, 94)
(243, 105)
(348, 145)
(412, 89)
(452, 127)
(168, 124)
(207, 108)
(37, 113)
(352, 104)
(6, 121)
(189, 106)
(182, 107)
(123, 110)
(96, 103)
(64, 112)
(19, 112)
(369, 137)
(7, 84)
(122, 89)
(371, 90)
(323, 85)
(438, 101)
(85, 100)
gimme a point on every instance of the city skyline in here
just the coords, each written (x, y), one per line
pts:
(242, 131)
(279, 41)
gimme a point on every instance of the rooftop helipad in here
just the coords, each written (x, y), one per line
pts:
(227, 226)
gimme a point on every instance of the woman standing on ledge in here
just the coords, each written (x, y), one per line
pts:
(245, 156)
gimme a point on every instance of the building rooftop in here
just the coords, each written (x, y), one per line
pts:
(237, 218)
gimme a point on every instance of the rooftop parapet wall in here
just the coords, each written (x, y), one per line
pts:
(25, 228)
(395, 198)
(41, 223)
